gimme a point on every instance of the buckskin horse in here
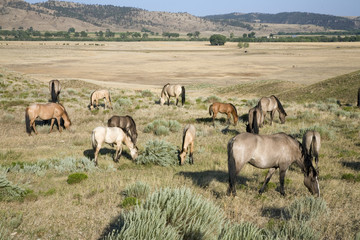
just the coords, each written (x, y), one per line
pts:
(98, 95)
(269, 152)
(172, 91)
(126, 123)
(225, 108)
(272, 104)
(45, 112)
(188, 142)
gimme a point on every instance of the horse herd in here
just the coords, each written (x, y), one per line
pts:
(262, 151)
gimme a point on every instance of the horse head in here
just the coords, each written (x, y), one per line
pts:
(134, 152)
(311, 181)
(282, 117)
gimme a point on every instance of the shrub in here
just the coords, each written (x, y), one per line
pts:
(243, 230)
(76, 178)
(146, 93)
(162, 127)
(212, 99)
(158, 152)
(8, 190)
(138, 190)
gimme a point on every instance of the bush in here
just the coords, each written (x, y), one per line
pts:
(243, 230)
(159, 153)
(76, 178)
(212, 99)
(217, 39)
(8, 190)
(138, 190)
(146, 93)
(162, 127)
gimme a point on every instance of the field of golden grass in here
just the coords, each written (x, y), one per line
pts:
(135, 73)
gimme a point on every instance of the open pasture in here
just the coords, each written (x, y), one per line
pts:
(135, 73)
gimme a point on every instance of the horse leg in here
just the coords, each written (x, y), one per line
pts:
(52, 125)
(168, 101)
(32, 123)
(267, 179)
(228, 118)
(214, 116)
(282, 181)
(272, 113)
(191, 152)
(58, 121)
(118, 152)
(96, 153)
(105, 103)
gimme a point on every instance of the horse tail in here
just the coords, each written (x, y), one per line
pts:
(182, 95)
(53, 92)
(91, 98)
(234, 113)
(231, 166)
(27, 121)
(315, 147)
(280, 105)
(211, 112)
(255, 125)
(93, 141)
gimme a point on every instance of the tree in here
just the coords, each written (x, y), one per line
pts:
(71, 30)
(83, 34)
(217, 39)
(190, 35)
(197, 34)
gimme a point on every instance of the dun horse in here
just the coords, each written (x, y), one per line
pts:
(45, 112)
(272, 104)
(172, 91)
(188, 142)
(98, 95)
(255, 120)
(55, 88)
(312, 143)
(225, 108)
(111, 135)
(269, 151)
(126, 123)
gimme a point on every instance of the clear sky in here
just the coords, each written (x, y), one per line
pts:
(206, 7)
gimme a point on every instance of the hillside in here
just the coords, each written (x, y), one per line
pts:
(61, 15)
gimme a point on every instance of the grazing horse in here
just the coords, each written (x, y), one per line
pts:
(269, 151)
(312, 143)
(271, 104)
(111, 135)
(256, 119)
(225, 108)
(98, 95)
(126, 123)
(55, 88)
(45, 112)
(172, 91)
(188, 140)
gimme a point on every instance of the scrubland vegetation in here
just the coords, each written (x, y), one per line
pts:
(155, 198)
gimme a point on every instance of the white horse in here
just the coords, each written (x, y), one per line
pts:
(172, 91)
(111, 135)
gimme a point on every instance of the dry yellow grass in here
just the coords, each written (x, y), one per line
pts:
(56, 210)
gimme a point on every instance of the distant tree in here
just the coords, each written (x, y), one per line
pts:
(136, 35)
(231, 35)
(48, 34)
(76, 34)
(217, 39)
(71, 30)
(197, 34)
(251, 35)
(145, 35)
(83, 34)
(101, 34)
(190, 35)
(244, 35)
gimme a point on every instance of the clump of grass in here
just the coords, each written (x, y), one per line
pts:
(162, 127)
(10, 156)
(138, 190)
(146, 93)
(252, 102)
(122, 102)
(243, 230)
(212, 99)
(76, 178)
(10, 191)
(350, 177)
(129, 202)
(158, 152)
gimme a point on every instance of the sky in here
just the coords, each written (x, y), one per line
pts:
(207, 7)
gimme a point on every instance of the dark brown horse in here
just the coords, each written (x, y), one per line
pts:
(225, 108)
(272, 104)
(55, 88)
(189, 135)
(269, 151)
(126, 123)
(255, 119)
(45, 112)
(98, 95)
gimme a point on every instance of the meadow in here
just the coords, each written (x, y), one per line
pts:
(317, 84)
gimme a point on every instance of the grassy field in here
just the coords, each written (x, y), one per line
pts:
(51, 208)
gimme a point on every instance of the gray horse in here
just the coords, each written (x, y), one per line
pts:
(269, 151)
(255, 119)
(312, 144)
(272, 104)
(172, 91)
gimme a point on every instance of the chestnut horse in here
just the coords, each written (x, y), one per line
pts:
(225, 108)
(55, 88)
(172, 91)
(98, 95)
(312, 144)
(272, 104)
(45, 112)
(126, 123)
(188, 141)
(269, 151)
(111, 135)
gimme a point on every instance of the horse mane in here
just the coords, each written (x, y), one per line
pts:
(234, 108)
(65, 112)
(184, 135)
(91, 100)
(279, 105)
(163, 89)
(132, 121)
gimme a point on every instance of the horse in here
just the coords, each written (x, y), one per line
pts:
(269, 151)
(225, 108)
(255, 120)
(172, 91)
(98, 95)
(312, 144)
(126, 123)
(45, 112)
(111, 135)
(272, 104)
(188, 140)
(55, 88)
